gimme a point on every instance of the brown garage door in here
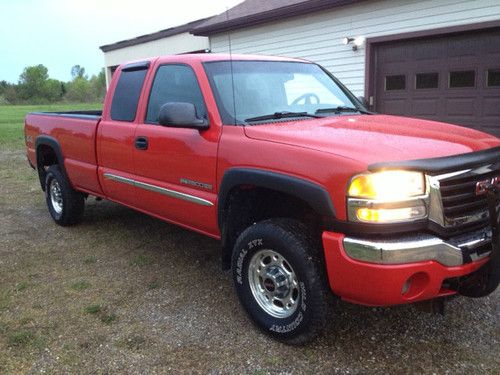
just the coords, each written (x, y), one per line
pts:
(453, 78)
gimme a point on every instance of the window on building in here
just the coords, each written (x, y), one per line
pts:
(395, 82)
(493, 77)
(466, 78)
(174, 83)
(427, 81)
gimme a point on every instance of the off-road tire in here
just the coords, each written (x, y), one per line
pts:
(70, 212)
(296, 244)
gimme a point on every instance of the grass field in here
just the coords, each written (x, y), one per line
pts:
(123, 293)
(12, 119)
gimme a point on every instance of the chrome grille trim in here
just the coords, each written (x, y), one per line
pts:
(453, 202)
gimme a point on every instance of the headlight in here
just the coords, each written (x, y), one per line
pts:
(387, 197)
(387, 185)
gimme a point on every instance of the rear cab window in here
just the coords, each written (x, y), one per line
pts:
(128, 92)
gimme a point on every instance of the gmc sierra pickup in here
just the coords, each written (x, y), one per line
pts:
(313, 197)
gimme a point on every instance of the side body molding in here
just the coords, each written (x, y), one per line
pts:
(315, 195)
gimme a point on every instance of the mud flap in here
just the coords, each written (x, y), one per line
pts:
(485, 280)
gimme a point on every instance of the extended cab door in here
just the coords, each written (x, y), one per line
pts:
(176, 167)
(115, 139)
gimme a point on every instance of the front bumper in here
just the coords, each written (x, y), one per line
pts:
(418, 248)
(380, 273)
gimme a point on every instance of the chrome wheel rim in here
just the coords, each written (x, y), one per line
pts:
(274, 283)
(56, 196)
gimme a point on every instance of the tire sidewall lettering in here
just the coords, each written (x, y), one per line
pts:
(275, 325)
(242, 255)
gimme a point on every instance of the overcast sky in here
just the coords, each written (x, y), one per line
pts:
(63, 33)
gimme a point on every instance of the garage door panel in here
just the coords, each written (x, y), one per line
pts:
(394, 54)
(396, 107)
(461, 107)
(492, 107)
(462, 48)
(492, 129)
(452, 78)
(425, 107)
(426, 51)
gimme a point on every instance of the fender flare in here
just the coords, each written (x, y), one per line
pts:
(45, 140)
(313, 194)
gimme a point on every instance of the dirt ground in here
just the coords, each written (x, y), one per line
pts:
(126, 293)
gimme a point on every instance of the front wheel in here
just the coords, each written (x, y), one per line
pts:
(65, 204)
(279, 277)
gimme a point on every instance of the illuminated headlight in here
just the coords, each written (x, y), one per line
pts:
(387, 197)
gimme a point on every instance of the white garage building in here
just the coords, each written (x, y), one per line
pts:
(170, 41)
(436, 59)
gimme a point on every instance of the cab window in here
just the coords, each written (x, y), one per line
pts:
(174, 83)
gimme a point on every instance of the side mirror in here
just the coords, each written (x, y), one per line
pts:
(180, 115)
(362, 100)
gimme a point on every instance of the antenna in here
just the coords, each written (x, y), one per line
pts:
(231, 67)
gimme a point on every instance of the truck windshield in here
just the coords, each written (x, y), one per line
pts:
(272, 90)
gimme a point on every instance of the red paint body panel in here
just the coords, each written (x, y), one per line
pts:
(395, 138)
(381, 285)
(327, 152)
(77, 139)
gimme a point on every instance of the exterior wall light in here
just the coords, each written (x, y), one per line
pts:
(356, 42)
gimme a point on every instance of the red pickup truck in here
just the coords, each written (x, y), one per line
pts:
(313, 197)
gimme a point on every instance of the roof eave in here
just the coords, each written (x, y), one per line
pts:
(153, 36)
(271, 15)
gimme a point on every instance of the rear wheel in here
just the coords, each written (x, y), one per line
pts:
(279, 277)
(65, 204)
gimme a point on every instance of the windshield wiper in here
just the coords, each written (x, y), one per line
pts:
(280, 115)
(341, 109)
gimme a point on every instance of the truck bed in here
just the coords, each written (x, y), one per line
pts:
(75, 133)
(89, 115)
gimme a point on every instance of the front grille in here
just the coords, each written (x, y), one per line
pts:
(460, 203)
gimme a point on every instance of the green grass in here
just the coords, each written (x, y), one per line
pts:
(93, 309)
(21, 286)
(141, 260)
(90, 260)
(153, 285)
(20, 338)
(12, 120)
(80, 285)
(108, 318)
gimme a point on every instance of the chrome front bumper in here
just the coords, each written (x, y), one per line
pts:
(417, 248)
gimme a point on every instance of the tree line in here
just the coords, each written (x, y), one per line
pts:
(36, 87)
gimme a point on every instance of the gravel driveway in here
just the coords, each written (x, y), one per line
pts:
(126, 293)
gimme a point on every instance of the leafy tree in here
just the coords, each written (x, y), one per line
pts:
(3, 86)
(53, 90)
(79, 90)
(78, 71)
(35, 87)
(98, 83)
(11, 94)
(32, 82)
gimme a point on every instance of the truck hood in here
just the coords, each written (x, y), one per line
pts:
(375, 138)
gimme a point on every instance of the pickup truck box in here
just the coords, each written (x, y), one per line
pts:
(313, 197)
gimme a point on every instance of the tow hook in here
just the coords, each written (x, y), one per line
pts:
(484, 281)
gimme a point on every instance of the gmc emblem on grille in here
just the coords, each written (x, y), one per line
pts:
(482, 186)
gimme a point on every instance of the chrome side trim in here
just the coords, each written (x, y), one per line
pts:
(410, 249)
(160, 190)
(119, 179)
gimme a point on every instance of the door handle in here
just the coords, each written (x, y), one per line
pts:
(141, 143)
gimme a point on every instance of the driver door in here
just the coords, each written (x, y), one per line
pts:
(176, 167)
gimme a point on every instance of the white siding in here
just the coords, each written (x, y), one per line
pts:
(318, 36)
(179, 43)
